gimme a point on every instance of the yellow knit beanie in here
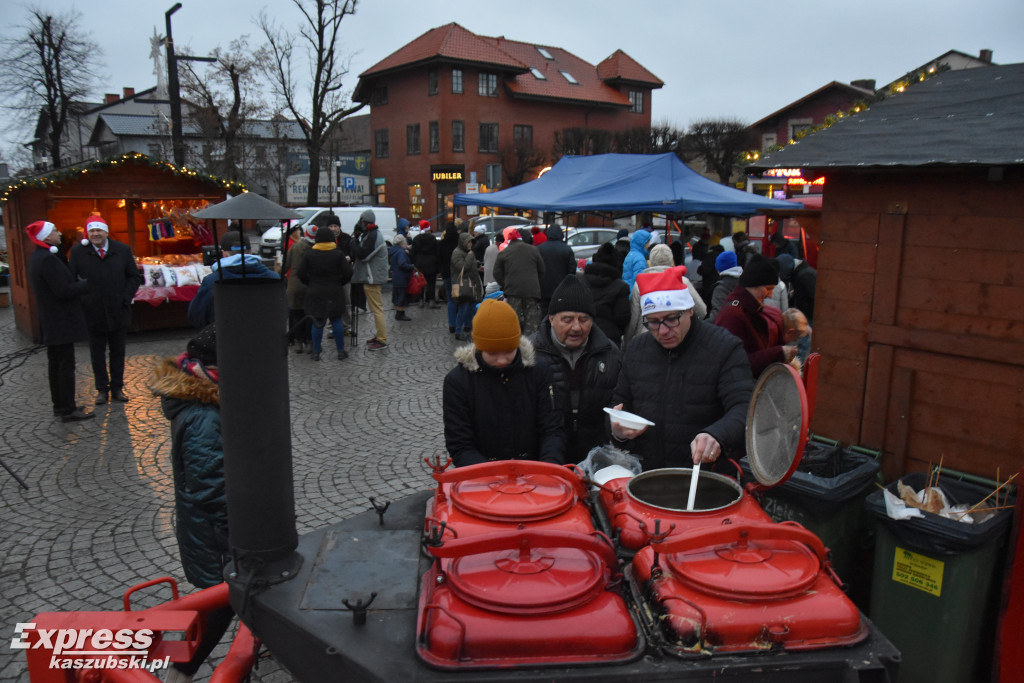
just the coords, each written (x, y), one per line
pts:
(495, 327)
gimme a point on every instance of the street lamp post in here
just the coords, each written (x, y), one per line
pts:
(177, 141)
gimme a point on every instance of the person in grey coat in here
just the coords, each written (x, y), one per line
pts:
(61, 320)
(370, 269)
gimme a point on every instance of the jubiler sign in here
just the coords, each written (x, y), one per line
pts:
(447, 173)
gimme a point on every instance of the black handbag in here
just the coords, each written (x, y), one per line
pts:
(467, 289)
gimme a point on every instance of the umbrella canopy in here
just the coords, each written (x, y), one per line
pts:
(245, 207)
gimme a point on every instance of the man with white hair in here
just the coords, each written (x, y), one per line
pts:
(690, 378)
(113, 278)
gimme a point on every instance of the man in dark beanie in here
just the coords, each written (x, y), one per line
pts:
(759, 327)
(583, 361)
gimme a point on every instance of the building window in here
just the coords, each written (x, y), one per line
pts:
(435, 137)
(768, 140)
(487, 86)
(492, 174)
(522, 136)
(379, 95)
(537, 74)
(154, 150)
(432, 82)
(380, 143)
(636, 101)
(797, 125)
(488, 137)
(458, 136)
(569, 77)
(544, 53)
(412, 138)
(457, 81)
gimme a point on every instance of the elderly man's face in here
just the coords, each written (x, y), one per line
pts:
(336, 229)
(53, 239)
(571, 328)
(669, 328)
(97, 237)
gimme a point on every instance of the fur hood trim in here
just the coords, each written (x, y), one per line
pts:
(171, 382)
(466, 355)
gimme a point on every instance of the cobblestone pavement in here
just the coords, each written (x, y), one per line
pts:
(97, 516)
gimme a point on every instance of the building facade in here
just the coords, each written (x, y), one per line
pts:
(453, 108)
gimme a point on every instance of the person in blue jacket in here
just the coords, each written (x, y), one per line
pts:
(190, 398)
(401, 271)
(233, 247)
(636, 259)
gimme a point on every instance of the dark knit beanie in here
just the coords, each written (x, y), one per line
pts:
(572, 294)
(606, 254)
(759, 272)
(496, 327)
(325, 235)
(204, 346)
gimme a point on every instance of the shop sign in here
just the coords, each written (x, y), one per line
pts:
(447, 173)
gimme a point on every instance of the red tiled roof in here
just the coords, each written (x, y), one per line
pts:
(453, 42)
(620, 66)
(450, 41)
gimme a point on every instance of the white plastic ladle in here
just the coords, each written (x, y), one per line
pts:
(693, 486)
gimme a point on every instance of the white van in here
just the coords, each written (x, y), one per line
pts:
(385, 217)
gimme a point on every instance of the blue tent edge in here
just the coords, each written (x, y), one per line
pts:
(626, 182)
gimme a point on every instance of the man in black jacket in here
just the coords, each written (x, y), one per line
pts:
(584, 364)
(559, 261)
(113, 278)
(690, 378)
(61, 322)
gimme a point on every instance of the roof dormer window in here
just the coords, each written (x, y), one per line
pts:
(544, 53)
(569, 77)
(537, 74)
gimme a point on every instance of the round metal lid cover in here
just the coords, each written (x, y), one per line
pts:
(776, 424)
(756, 569)
(528, 580)
(514, 498)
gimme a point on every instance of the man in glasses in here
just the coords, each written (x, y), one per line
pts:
(690, 378)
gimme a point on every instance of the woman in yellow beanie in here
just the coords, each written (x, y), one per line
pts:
(499, 404)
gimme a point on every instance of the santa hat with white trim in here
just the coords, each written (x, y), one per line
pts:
(664, 291)
(39, 231)
(96, 222)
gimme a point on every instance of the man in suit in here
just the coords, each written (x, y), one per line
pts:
(61, 322)
(113, 276)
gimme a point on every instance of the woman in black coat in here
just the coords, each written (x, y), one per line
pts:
(610, 291)
(424, 256)
(325, 270)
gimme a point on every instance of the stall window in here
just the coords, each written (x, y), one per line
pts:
(380, 143)
(435, 137)
(487, 85)
(488, 137)
(458, 136)
(457, 81)
(432, 82)
(412, 138)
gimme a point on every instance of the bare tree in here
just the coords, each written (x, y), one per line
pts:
(225, 99)
(319, 33)
(518, 160)
(47, 66)
(719, 143)
(582, 142)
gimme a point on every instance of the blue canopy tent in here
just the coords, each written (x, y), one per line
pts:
(629, 183)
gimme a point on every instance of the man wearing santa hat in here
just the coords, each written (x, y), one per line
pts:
(113, 278)
(61, 322)
(690, 378)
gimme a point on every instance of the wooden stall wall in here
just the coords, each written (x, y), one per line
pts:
(920, 318)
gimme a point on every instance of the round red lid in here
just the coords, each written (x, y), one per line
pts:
(750, 569)
(528, 580)
(513, 498)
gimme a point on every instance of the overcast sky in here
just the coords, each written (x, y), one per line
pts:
(718, 58)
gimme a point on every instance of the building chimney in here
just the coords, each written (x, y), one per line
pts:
(985, 56)
(129, 93)
(864, 83)
(110, 98)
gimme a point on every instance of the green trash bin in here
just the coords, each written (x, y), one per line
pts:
(826, 495)
(936, 584)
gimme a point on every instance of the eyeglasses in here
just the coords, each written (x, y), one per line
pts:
(670, 322)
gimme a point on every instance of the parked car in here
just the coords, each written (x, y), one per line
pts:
(493, 225)
(586, 241)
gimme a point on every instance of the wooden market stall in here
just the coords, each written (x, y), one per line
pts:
(148, 205)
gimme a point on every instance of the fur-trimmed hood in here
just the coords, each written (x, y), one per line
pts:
(466, 355)
(171, 382)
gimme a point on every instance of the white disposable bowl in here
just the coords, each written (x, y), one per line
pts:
(628, 420)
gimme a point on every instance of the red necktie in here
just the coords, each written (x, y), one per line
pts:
(102, 252)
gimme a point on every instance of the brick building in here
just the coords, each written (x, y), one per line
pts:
(452, 105)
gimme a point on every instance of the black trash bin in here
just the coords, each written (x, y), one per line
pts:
(826, 495)
(936, 583)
